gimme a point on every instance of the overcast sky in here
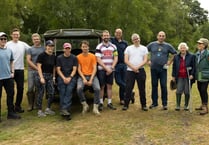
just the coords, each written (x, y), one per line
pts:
(204, 4)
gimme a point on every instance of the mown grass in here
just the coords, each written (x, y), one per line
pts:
(132, 127)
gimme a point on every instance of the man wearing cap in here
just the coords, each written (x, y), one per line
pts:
(6, 76)
(87, 68)
(202, 73)
(32, 55)
(45, 78)
(18, 48)
(66, 67)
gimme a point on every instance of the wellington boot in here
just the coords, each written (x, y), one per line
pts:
(186, 105)
(178, 102)
(204, 110)
(95, 109)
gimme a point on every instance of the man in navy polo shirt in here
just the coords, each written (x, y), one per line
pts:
(159, 63)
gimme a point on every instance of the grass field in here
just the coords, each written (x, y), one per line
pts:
(132, 127)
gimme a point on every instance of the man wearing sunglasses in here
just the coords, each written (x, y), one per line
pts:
(6, 76)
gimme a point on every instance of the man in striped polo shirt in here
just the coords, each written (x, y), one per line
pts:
(107, 57)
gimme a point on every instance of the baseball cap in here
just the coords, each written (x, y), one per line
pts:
(3, 34)
(49, 43)
(204, 41)
(67, 45)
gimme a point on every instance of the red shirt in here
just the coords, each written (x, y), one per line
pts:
(182, 69)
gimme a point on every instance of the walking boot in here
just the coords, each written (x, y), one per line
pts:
(199, 108)
(178, 102)
(85, 107)
(95, 109)
(204, 110)
(186, 105)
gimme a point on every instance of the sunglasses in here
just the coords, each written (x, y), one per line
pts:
(3, 39)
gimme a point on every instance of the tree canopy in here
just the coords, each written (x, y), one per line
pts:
(182, 20)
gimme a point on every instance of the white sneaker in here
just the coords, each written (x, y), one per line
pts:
(48, 111)
(41, 113)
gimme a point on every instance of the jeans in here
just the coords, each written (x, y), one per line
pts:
(66, 91)
(8, 85)
(140, 78)
(159, 74)
(31, 80)
(49, 86)
(19, 79)
(120, 78)
(95, 85)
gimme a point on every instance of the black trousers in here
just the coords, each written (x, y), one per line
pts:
(202, 88)
(8, 85)
(19, 80)
(140, 78)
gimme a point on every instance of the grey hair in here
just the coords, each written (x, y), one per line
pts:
(183, 44)
(135, 35)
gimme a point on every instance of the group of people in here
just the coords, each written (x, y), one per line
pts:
(113, 58)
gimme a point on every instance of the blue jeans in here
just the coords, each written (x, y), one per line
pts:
(159, 74)
(66, 91)
(120, 78)
(95, 86)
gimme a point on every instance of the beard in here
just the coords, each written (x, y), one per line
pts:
(106, 40)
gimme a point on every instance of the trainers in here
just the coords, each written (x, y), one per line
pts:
(125, 108)
(165, 108)
(41, 113)
(144, 108)
(48, 111)
(152, 106)
(110, 106)
(64, 112)
(100, 107)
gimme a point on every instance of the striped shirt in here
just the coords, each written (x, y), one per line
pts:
(106, 53)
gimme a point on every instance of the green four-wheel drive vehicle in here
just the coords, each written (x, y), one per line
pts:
(73, 36)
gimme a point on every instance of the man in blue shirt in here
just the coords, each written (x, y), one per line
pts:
(120, 68)
(159, 63)
(6, 76)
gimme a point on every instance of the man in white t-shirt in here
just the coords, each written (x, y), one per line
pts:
(18, 48)
(135, 59)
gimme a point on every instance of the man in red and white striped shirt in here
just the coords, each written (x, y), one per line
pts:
(107, 57)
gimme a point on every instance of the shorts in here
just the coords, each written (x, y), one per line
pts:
(103, 78)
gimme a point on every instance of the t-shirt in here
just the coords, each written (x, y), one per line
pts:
(47, 62)
(159, 53)
(34, 53)
(66, 64)
(135, 54)
(86, 63)
(6, 56)
(18, 48)
(106, 53)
